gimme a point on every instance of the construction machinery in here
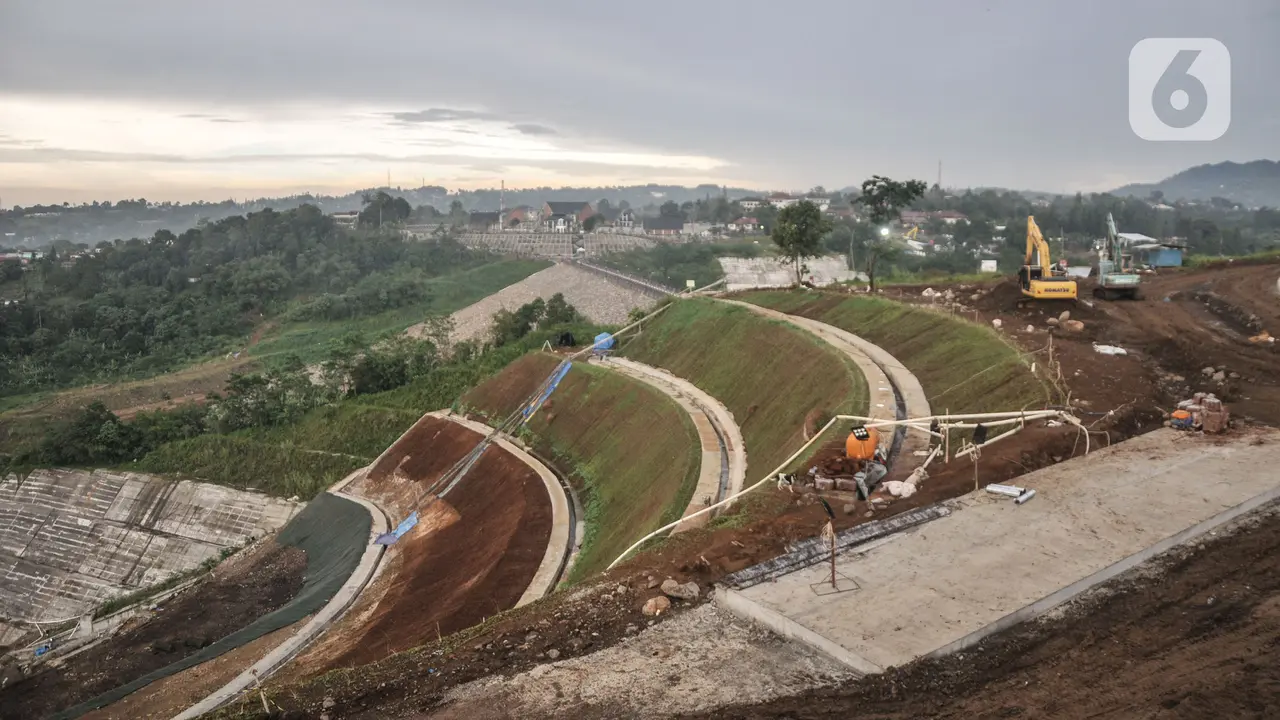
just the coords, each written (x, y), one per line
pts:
(1116, 275)
(1039, 277)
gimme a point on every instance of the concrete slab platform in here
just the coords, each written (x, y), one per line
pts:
(992, 563)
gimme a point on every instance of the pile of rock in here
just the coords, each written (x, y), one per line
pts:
(688, 592)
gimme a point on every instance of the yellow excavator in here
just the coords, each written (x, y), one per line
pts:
(1039, 278)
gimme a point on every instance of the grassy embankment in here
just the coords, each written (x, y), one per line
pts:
(311, 340)
(769, 374)
(962, 366)
(631, 453)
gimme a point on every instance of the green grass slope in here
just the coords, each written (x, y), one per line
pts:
(632, 453)
(447, 294)
(963, 367)
(769, 374)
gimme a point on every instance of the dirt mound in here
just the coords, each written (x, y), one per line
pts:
(475, 554)
(238, 594)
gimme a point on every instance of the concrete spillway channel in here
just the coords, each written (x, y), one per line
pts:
(566, 530)
(724, 454)
(894, 392)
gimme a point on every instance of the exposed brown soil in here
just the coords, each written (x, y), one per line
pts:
(1201, 639)
(169, 696)
(475, 552)
(238, 593)
(1189, 320)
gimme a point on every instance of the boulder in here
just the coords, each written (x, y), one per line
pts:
(1073, 325)
(655, 606)
(1065, 316)
(1052, 321)
(996, 323)
(680, 591)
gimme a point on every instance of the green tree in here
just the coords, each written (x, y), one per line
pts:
(883, 201)
(799, 232)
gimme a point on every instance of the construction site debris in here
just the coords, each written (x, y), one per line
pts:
(1109, 349)
(897, 488)
(681, 591)
(655, 606)
(1263, 337)
(996, 323)
(1010, 490)
(1202, 411)
(1025, 497)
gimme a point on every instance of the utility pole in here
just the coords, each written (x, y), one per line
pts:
(939, 174)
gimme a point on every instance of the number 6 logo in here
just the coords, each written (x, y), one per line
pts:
(1179, 89)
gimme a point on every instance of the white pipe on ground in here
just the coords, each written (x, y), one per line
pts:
(772, 475)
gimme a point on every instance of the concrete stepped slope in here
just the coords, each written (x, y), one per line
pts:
(71, 539)
(599, 298)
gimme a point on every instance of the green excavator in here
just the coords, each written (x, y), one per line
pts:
(1117, 277)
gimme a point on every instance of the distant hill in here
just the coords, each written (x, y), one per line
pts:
(1252, 184)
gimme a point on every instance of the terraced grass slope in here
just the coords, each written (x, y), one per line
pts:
(963, 367)
(769, 374)
(632, 453)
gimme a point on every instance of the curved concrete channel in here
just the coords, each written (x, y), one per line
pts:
(326, 616)
(893, 391)
(724, 455)
(555, 562)
(556, 559)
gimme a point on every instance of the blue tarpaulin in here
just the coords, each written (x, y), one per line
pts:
(556, 377)
(405, 526)
(604, 341)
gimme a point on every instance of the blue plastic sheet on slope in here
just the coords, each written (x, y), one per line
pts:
(556, 377)
(405, 526)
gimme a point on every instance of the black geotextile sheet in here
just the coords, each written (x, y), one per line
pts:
(334, 532)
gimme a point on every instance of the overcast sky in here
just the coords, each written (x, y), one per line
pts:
(180, 100)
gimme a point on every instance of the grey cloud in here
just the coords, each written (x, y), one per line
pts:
(493, 166)
(533, 129)
(210, 118)
(438, 115)
(829, 94)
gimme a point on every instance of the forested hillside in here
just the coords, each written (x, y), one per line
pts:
(144, 305)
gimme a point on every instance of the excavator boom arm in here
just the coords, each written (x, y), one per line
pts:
(1037, 245)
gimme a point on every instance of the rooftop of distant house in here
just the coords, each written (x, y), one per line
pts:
(567, 208)
(663, 223)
